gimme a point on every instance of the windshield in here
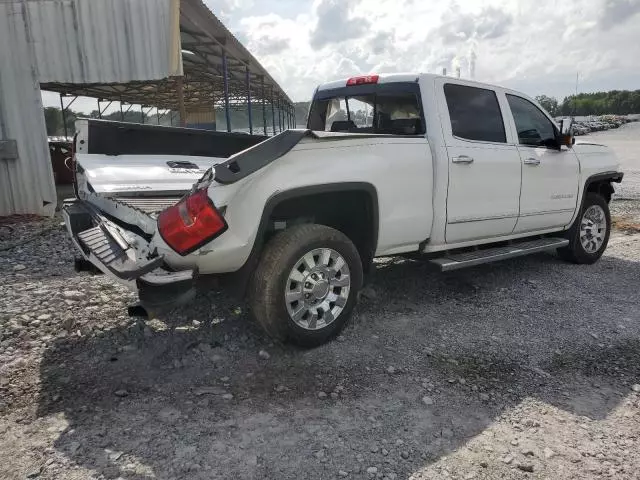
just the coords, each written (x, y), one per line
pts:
(385, 112)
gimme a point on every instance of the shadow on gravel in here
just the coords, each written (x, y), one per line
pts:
(200, 402)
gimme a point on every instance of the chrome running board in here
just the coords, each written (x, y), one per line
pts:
(455, 261)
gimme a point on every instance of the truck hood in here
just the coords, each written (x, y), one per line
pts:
(143, 175)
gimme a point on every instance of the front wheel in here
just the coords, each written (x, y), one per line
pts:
(306, 284)
(589, 234)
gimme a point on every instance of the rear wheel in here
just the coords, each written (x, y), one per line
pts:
(589, 234)
(306, 284)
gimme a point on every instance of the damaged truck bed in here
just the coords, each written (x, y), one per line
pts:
(124, 177)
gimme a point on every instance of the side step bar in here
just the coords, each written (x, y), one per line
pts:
(455, 261)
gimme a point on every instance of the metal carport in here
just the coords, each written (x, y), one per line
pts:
(174, 55)
(218, 71)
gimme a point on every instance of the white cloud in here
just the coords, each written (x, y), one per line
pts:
(336, 23)
(537, 46)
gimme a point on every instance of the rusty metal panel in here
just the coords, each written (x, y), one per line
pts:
(104, 41)
(26, 180)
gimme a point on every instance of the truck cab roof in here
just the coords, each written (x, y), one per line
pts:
(400, 77)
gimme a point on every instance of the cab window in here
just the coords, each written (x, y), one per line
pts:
(391, 109)
(474, 113)
(533, 126)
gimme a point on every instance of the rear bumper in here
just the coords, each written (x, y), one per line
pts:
(98, 241)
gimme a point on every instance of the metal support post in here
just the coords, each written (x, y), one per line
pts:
(273, 113)
(264, 107)
(181, 109)
(248, 83)
(63, 110)
(102, 110)
(225, 81)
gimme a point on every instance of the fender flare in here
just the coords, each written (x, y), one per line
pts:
(240, 278)
(601, 177)
(598, 177)
(279, 197)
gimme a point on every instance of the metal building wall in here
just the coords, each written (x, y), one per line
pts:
(26, 182)
(103, 41)
(70, 41)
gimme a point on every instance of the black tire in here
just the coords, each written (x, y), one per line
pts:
(269, 281)
(575, 252)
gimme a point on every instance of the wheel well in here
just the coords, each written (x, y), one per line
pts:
(353, 212)
(603, 188)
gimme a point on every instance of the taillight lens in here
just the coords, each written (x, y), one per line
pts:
(191, 223)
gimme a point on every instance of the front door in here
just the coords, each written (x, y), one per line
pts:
(484, 170)
(549, 175)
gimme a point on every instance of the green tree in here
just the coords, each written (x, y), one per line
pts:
(550, 104)
(55, 124)
(618, 102)
(132, 116)
(53, 120)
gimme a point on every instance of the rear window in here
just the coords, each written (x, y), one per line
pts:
(384, 109)
(474, 113)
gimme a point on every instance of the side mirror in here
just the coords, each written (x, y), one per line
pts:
(566, 136)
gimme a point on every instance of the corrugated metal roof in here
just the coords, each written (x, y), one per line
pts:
(204, 37)
(26, 183)
(104, 41)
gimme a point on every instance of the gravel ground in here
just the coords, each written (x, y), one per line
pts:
(518, 370)
(523, 369)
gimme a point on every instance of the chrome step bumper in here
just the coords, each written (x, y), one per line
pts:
(455, 261)
(157, 285)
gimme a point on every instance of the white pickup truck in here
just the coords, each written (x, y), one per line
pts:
(461, 172)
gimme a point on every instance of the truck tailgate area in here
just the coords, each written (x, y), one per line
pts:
(149, 205)
(99, 241)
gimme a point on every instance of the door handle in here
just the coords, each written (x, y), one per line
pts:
(462, 159)
(532, 161)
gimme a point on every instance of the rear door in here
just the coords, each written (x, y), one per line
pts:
(484, 168)
(549, 174)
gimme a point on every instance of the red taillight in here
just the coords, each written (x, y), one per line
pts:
(366, 79)
(191, 223)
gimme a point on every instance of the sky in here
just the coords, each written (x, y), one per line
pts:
(536, 47)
